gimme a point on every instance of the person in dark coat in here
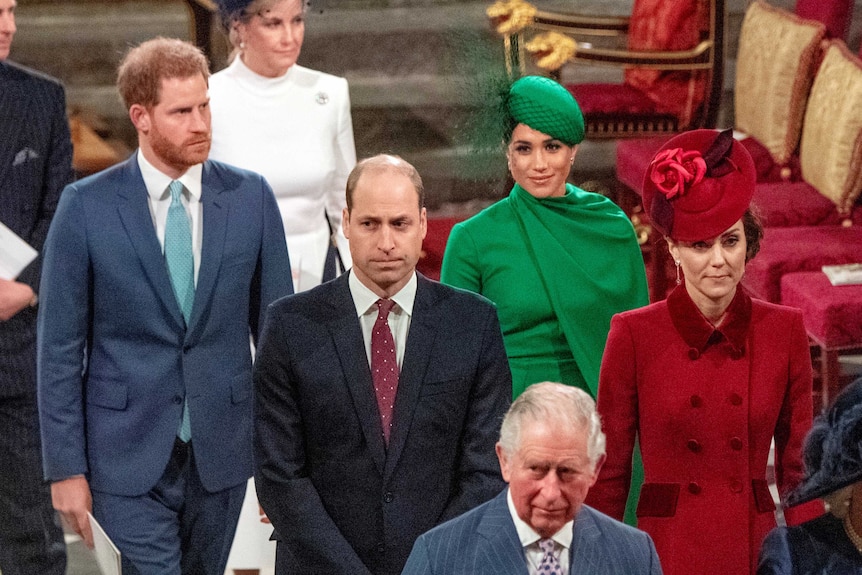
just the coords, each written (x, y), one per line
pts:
(830, 544)
(35, 165)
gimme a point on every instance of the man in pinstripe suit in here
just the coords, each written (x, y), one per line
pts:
(550, 450)
(35, 165)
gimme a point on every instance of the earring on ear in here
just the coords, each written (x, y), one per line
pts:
(242, 45)
(572, 160)
(678, 281)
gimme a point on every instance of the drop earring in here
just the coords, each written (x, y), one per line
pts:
(678, 281)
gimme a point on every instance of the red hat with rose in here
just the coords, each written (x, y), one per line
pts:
(698, 185)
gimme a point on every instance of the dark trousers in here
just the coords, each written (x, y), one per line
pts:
(31, 540)
(178, 527)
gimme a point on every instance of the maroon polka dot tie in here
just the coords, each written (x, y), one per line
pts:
(384, 365)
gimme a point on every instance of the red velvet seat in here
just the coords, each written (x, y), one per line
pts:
(434, 246)
(801, 249)
(832, 317)
(789, 204)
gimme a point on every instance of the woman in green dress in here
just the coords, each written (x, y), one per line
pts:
(556, 260)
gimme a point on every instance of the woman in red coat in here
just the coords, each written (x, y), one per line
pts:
(705, 379)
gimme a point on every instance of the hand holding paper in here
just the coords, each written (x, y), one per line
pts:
(15, 254)
(72, 498)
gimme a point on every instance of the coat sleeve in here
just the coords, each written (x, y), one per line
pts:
(284, 489)
(461, 261)
(478, 471)
(62, 329)
(345, 159)
(793, 424)
(58, 173)
(272, 279)
(775, 554)
(618, 407)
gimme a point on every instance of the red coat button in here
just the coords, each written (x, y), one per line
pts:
(736, 444)
(736, 486)
(735, 399)
(694, 445)
(696, 401)
(693, 353)
(693, 488)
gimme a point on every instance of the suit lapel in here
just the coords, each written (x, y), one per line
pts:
(350, 346)
(501, 550)
(584, 556)
(420, 340)
(214, 223)
(135, 214)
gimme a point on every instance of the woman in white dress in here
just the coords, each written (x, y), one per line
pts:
(293, 126)
(288, 123)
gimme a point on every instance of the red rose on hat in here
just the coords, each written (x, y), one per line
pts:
(674, 171)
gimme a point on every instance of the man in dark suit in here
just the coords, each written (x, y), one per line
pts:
(550, 450)
(155, 271)
(372, 429)
(35, 164)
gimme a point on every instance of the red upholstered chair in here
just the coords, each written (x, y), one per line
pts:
(778, 57)
(672, 59)
(833, 320)
(434, 245)
(836, 15)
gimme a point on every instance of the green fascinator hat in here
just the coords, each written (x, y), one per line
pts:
(546, 106)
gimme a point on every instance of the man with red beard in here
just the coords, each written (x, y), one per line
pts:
(155, 271)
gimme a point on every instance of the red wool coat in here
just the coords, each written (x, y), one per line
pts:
(705, 404)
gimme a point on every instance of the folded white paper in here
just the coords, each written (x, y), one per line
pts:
(15, 254)
(107, 554)
(842, 275)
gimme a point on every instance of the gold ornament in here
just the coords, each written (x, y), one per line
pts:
(510, 16)
(551, 50)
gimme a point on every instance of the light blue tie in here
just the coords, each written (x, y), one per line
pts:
(181, 267)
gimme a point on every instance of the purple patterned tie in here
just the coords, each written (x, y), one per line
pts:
(384, 365)
(549, 564)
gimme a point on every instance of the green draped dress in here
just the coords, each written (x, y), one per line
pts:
(557, 269)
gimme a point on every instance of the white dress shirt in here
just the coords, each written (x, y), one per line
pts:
(530, 540)
(399, 318)
(159, 199)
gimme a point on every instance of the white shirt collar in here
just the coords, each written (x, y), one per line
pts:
(157, 182)
(528, 536)
(364, 299)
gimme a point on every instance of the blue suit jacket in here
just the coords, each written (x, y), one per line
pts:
(35, 165)
(115, 358)
(339, 498)
(484, 541)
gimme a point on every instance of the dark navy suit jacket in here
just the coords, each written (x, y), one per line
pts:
(35, 165)
(339, 498)
(816, 547)
(115, 358)
(485, 541)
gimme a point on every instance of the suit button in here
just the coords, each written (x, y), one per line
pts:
(736, 444)
(694, 445)
(381, 548)
(693, 488)
(178, 399)
(735, 399)
(736, 486)
(693, 353)
(696, 401)
(388, 497)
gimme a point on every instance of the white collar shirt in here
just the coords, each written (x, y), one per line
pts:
(530, 540)
(159, 200)
(399, 318)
